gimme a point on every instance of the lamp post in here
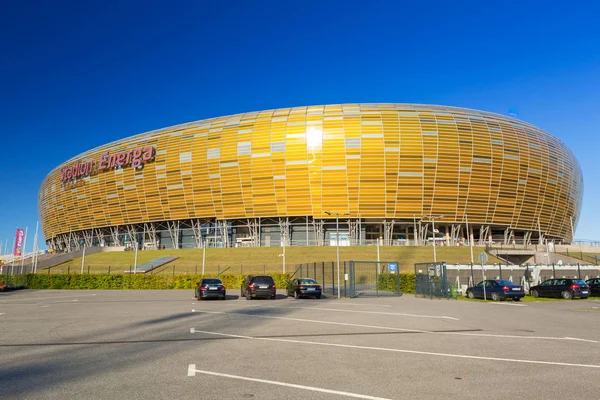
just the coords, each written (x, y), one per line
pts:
(432, 218)
(337, 241)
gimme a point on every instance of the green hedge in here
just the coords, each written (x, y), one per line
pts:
(139, 281)
(389, 282)
(385, 282)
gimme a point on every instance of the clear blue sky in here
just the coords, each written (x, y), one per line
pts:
(75, 75)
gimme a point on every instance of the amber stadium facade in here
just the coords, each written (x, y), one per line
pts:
(283, 176)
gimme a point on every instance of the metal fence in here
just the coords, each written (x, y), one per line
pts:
(374, 278)
(431, 280)
(466, 275)
(325, 273)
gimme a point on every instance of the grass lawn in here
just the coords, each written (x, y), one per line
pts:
(261, 259)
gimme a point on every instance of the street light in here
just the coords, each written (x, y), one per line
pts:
(432, 218)
(337, 240)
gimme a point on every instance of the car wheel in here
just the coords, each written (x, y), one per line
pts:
(584, 298)
(296, 295)
(470, 295)
(224, 297)
(517, 299)
(248, 297)
(273, 296)
(318, 296)
(535, 293)
(196, 295)
(566, 295)
(495, 296)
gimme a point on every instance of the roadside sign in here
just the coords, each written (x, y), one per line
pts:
(392, 267)
(483, 258)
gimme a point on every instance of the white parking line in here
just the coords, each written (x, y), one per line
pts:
(389, 328)
(43, 298)
(192, 372)
(426, 353)
(508, 304)
(378, 312)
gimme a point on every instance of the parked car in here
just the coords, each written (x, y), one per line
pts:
(210, 288)
(594, 286)
(304, 287)
(496, 289)
(565, 288)
(258, 286)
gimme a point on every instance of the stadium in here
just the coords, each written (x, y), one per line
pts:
(318, 175)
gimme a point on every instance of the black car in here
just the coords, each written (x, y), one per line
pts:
(565, 288)
(255, 287)
(209, 288)
(594, 286)
(304, 287)
(496, 289)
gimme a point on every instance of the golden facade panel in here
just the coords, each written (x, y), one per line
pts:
(373, 161)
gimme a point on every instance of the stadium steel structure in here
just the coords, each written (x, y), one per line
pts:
(268, 177)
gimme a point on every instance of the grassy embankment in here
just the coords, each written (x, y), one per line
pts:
(257, 260)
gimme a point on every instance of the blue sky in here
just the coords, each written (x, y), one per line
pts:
(76, 75)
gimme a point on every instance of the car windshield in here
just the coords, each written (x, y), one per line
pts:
(505, 283)
(306, 282)
(266, 280)
(211, 282)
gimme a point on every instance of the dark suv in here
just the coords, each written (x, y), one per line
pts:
(565, 288)
(258, 286)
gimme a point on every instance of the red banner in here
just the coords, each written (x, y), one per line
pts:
(18, 242)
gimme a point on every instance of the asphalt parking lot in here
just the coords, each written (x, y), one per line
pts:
(167, 345)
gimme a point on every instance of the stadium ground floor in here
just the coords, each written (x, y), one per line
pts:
(293, 231)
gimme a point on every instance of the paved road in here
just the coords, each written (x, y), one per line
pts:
(167, 345)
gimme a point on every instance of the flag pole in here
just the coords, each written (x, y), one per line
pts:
(23, 252)
(35, 248)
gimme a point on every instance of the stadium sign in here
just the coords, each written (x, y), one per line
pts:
(135, 158)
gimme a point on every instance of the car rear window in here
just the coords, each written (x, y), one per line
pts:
(507, 283)
(579, 282)
(306, 282)
(264, 280)
(211, 281)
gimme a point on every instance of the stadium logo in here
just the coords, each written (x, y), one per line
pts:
(136, 158)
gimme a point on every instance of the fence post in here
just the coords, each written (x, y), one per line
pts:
(472, 277)
(88, 269)
(553, 271)
(109, 269)
(173, 271)
(241, 269)
(130, 270)
(265, 269)
(578, 271)
(500, 267)
(344, 278)
(69, 270)
(332, 277)
(315, 270)
(567, 251)
(196, 269)
(323, 273)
